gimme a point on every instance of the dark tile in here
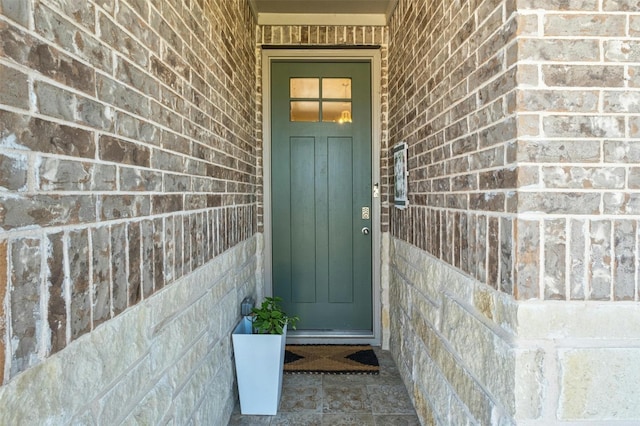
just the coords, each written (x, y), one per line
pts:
(345, 399)
(351, 419)
(397, 420)
(301, 399)
(302, 380)
(240, 420)
(309, 399)
(296, 419)
(390, 399)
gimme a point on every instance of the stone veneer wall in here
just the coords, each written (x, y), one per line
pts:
(167, 360)
(472, 355)
(523, 228)
(127, 167)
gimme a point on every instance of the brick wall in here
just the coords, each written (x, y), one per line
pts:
(452, 89)
(127, 158)
(521, 148)
(578, 150)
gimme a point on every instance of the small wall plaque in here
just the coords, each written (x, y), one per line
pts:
(401, 175)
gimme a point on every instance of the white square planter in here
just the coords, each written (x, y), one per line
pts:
(259, 361)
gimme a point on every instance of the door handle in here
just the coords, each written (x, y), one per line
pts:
(365, 230)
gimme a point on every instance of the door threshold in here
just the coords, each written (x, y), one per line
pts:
(331, 337)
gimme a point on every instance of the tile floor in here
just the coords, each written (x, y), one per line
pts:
(336, 400)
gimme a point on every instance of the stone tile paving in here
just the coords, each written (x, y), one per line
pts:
(336, 400)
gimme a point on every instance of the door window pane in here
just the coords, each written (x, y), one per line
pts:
(336, 112)
(306, 97)
(305, 111)
(336, 88)
(304, 88)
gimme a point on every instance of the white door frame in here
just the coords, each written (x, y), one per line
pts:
(372, 56)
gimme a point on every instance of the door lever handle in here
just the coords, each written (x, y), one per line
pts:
(365, 230)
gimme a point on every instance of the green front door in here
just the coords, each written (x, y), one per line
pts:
(321, 193)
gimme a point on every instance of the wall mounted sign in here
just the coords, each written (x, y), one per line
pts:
(401, 175)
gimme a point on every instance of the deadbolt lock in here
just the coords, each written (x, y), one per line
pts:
(366, 213)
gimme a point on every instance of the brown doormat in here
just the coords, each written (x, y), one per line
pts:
(330, 359)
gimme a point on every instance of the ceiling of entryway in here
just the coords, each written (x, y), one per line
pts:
(323, 12)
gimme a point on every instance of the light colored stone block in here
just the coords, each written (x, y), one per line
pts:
(450, 349)
(85, 419)
(459, 414)
(506, 312)
(599, 384)
(20, 404)
(195, 388)
(584, 320)
(228, 316)
(484, 350)
(125, 394)
(129, 330)
(529, 384)
(171, 341)
(217, 404)
(153, 407)
(182, 370)
(430, 311)
(430, 381)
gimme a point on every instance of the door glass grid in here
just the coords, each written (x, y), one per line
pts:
(320, 99)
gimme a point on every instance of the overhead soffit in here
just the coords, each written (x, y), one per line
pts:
(323, 12)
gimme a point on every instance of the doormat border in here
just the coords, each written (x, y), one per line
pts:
(368, 360)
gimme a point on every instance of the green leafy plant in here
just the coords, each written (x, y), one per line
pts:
(269, 318)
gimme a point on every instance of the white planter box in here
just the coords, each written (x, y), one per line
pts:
(259, 361)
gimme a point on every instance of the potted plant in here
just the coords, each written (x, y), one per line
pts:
(258, 345)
